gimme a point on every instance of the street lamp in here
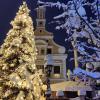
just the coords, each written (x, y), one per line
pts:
(48, 70)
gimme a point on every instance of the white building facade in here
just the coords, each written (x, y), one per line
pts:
(46, 48)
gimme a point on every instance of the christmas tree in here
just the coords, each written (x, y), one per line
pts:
(19, 77)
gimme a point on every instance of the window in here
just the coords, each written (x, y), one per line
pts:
(40, 31)
(49, 51)
(42, 51)
(40, 23)
(56, 69)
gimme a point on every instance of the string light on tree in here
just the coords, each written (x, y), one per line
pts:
(20, 79)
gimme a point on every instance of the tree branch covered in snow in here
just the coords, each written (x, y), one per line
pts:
(94, 75)
(78, 24)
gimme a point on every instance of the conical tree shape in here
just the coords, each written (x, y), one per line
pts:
(19, 77)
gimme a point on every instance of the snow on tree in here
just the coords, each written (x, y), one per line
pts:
(19, 77)
(83, 29)
(94, 75)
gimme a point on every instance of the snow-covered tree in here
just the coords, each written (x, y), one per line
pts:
(82, 28)
(94, 75)
(19, 76)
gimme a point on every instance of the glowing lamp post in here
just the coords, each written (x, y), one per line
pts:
(48, 69)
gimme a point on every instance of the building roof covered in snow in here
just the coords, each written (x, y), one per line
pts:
(70, 86)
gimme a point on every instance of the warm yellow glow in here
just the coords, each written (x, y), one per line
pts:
(57, 75)
(17, 60)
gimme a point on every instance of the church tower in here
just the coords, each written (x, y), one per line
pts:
(41, 17)
(46, 46)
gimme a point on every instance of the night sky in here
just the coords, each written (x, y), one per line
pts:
(9, 8)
